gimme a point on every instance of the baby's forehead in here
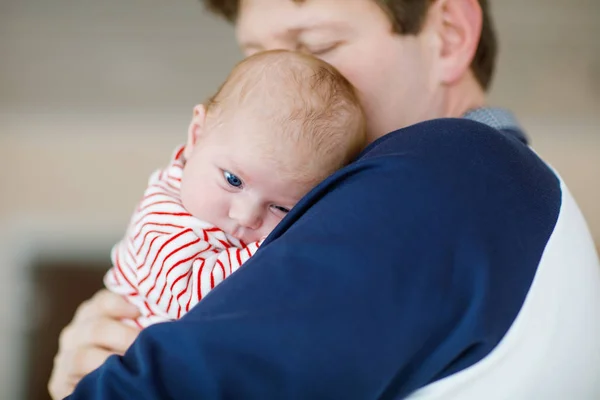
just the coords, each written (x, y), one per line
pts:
(252, 147)
(282, 173)
(259, 124)
(247, 138)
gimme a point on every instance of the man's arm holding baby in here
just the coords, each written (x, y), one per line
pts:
(305, 314)
(371, 288)
(342, 283)
(96, 332)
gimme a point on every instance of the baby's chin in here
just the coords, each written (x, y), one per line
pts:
(247, 239)
(248, 236)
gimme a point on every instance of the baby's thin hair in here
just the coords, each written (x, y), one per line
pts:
(313, 108)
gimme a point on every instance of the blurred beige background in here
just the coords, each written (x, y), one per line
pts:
(95, 94)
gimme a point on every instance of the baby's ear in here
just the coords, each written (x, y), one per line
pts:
(195, 130)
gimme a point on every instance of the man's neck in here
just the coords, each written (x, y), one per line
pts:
(462, 97)
(467, 99)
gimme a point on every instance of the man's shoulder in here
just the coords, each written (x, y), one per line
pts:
(443, 136)
(456, 152)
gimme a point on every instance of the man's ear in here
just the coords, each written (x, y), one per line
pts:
(458, 25)
(195, 130)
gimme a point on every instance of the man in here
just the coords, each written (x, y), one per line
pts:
(448, 262)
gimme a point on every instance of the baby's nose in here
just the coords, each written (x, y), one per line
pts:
(247, 217)
(252, 221)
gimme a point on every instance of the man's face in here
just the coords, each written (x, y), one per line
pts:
(393, 74)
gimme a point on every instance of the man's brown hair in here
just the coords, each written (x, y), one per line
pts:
(407, 17)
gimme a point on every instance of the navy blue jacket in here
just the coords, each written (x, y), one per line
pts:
(403, 268)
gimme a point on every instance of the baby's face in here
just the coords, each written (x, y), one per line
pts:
(231, 183)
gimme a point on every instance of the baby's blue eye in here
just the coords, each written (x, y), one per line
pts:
(232, 179)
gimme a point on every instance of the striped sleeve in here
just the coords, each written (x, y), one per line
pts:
(169, 260)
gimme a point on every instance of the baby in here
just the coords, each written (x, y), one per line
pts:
(280, 124)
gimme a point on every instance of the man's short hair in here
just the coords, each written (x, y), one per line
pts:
(407, 17)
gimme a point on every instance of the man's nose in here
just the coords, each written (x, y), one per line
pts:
(247, 215)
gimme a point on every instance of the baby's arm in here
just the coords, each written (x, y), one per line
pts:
(159, 216)
(178, 270)
(223, 264)
(190, 267)
(188, 287)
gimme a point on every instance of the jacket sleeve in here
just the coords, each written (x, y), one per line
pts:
(344, 301)
(398, 270)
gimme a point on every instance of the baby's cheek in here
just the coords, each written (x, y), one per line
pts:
(191, 194)
(269, 225)
(205, 202)
(192, 183)
(187, 198)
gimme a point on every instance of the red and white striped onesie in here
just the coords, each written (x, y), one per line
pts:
(169, 260)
